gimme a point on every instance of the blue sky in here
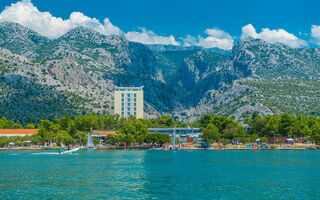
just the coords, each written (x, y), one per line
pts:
(189, 22)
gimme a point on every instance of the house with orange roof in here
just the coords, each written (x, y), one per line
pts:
(102, 134)
(98, 133)
(18, 132)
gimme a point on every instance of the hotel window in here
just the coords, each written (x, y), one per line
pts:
(128, 108)
(135, 95)
(122, 95)
(135, 113)
(122, 113)
(129, 99)
(135, 104)
(128, 104)
(122, 104)
(135, 100)
(135, 109)
(128, 95)
(128, 113)
(122, 109)
(122, 99)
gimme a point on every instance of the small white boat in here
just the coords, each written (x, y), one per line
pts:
(70, 151)
(211, 148)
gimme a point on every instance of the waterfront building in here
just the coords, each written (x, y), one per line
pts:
(102, 134)
(98, 133)
(185, 135)
(128, 101)
(18, 132)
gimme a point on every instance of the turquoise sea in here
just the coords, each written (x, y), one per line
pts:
(201, 174)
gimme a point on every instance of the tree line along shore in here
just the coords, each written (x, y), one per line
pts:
(134, 132)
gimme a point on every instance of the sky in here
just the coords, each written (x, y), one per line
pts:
(206, 23)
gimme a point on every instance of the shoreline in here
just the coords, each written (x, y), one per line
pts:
(147, 148)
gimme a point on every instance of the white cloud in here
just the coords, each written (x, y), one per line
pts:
(273, 36)
(216, 38)
(149, 37)
(189, 41)
(315, 34)
(248, 31)
(26, 14)
(107, 28)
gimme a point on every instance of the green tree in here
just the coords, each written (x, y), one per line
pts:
(46, 130)
(165, 121)
(4, 141)
(64, 137)
(8, 124)
(222, 122)
(81, 137)
(316, 133)
(258, 123)
(30, 126)
(64, 123)
(233, 131)
(129, 139)
(210, 133)
(300, 127)
(205, 120)
(128, 130)
(271, 126)
(86, 123)
(35, 139)
(286, 124)
(163, 138)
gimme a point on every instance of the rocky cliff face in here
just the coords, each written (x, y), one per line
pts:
(268, 78)
(260, 59)
(76, 74)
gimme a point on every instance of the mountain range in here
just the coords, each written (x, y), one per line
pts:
(77, 73)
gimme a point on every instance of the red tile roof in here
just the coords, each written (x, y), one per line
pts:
(105, 132)
(19, 131)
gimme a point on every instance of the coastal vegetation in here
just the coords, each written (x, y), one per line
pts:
(134, 131)
(74, 130)
(219, 128)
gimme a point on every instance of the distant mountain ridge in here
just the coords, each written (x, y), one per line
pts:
(77, 73)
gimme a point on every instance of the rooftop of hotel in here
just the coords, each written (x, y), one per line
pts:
(129, 88)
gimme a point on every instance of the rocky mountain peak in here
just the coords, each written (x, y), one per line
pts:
(14, 32)
(86, 35)
(19, 39)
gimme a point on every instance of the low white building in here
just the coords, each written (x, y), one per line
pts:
(184, 134)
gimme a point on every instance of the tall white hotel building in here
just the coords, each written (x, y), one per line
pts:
(128, 101)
